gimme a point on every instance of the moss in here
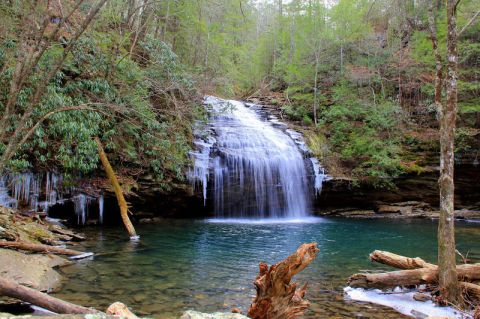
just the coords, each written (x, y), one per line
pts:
(317, 143)
(412, 168)
(24, 228)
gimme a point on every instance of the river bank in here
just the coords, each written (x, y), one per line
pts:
(32, 267)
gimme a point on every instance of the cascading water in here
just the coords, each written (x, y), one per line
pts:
(256, 168)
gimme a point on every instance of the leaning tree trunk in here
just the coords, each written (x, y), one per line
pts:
(449, 286)
(122, 203)
(276, 297)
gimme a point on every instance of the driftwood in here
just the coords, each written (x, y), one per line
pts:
(12, 289)
(414, 271)
(58, 230)
(40, 248)
(122, 203)
(276, 296)
(398, 261)
(121, 310)
(467, 272)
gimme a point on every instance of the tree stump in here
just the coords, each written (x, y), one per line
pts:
(276, 297)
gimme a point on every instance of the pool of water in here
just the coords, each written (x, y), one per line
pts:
(210, 265)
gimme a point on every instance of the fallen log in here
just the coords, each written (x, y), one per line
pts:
(472, 290)
(12, 289)
(466, 272)
(398, 261)
(39, 248)
(58, 230)
(276, 297)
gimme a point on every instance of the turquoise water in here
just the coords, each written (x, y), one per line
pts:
(210, 266)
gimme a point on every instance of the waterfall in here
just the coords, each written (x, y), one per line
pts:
(254, 165)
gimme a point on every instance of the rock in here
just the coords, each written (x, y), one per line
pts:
(467, 214)
(421, 297)
(236, 310)
(121, 310)
(32, 270)
(348, 212)
(191, 314)
(389, 209)
(410, 190)
(418, 315)
(60, 316)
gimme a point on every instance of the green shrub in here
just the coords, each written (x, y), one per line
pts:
(364, 134)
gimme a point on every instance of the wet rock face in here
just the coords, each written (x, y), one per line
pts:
(414, 195)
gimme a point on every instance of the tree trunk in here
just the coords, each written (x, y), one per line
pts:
(438, 58)
(276, 296)
(410, 277)
(12, 289)
(448, 281)
(315, 89)
(122, 203)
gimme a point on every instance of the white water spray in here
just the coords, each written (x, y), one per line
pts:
(258, 168)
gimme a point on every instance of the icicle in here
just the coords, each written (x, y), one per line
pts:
(5, 199)
(199, 173)
(319, 176)
(100, 209)
(52, 192)
(35, 181)
(81, 202)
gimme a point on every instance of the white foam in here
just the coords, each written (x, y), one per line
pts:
(404, 303)
(304, 220)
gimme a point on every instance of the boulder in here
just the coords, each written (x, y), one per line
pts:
(33, 270)
(191, 314)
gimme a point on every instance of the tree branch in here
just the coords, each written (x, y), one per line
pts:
(469, 23)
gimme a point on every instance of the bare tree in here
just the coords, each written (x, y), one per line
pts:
(448, 281)
(25, 68)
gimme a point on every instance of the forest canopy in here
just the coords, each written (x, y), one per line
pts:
(357, 77)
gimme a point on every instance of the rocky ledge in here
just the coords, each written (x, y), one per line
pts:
(34, 270)
(410, 209)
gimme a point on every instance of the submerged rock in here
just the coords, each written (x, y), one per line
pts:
(191, 314)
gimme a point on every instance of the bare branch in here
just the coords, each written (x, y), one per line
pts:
(469, 23)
